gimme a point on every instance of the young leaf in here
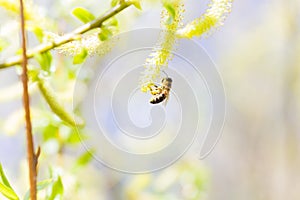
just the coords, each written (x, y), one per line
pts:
(3, 44)
(80, 58)
(57, 190)
(6, 188)
(137, 4)
(111, 22)
(83, 15)
(56, 105)
(49, 132)
(113, 3)
(33, 74)
(38, 32)
(105, 33)
(3, 177)
(44, 59)
(74, 138)
(40, 186)
(85, 158)
(8, 192)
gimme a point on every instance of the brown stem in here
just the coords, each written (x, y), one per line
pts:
(32, 158)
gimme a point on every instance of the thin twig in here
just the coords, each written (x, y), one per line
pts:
(30, 144)
(15, 60)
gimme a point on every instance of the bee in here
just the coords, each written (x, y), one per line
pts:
(161, 93)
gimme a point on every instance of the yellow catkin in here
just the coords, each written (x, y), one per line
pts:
(89, 42)
(160, 56)
(212, 18)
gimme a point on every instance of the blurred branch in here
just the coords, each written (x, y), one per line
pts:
(15, 60)
(32, 157)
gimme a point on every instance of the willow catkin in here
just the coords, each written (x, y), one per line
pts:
(212, 18)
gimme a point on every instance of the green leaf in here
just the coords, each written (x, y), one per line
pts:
(44, 59)
(38, 32)
(33, 73)
(3, 177)
(56, 105)
(40, 186)
(50, 132)
(137, 4)
(83, 15)
(6, 188)
(74, 138)
(80, 58)
(85, 158)
(57, 190)
(19, 51)
(113, 3)
(3, 44)
(111, 22)
(104, 34)
(8, 192)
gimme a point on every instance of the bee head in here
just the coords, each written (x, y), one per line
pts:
(167, 79)
(166, 82)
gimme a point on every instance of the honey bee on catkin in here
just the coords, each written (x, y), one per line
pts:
(161, 93)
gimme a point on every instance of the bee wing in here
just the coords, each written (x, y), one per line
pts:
(166, 100)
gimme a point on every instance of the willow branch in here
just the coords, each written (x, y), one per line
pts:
(15, 60)
(32, 158)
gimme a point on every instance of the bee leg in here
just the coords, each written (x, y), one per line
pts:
(154, 89)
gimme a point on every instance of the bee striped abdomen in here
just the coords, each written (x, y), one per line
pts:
(158, 98)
